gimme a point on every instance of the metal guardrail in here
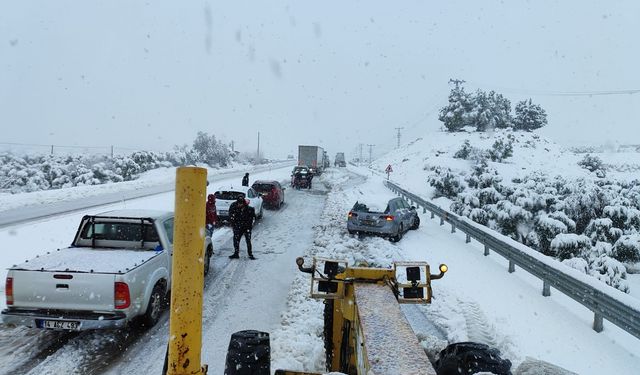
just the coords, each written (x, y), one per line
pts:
(612, 305)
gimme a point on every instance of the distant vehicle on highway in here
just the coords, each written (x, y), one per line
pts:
(225, 195)
(340, 161)
(118, 268)
(271, 191)
(396, 219)
(312, 157)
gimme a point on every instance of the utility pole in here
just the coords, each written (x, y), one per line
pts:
(398, 129)
(232, 146)
(370, 152)
(111, 152)
(51, 149)
(360, 160)
(258, 156)
(456, 82)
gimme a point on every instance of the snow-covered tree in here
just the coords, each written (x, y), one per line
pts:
(211, 151)
(529, 116)
(490, 111)
(456, 114)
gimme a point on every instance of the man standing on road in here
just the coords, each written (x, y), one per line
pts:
(241, 216)
(245, 179)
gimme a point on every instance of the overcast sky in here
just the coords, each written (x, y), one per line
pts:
(336, 73)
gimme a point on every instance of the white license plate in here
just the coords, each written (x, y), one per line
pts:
(61, 324)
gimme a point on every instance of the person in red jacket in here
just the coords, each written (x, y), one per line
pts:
(211, 215)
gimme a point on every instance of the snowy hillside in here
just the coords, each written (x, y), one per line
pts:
(583, 209)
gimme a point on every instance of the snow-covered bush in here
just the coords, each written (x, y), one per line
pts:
(509, 219)
(465, 151)
(593, 164)
(446, 183)
(579, 264)
(609, 271)
(501, 150)
(570, 245)
(627, 249)
(546, 229)
(529, 116)
(602, 230)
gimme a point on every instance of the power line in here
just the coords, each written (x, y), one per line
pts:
(525, 91)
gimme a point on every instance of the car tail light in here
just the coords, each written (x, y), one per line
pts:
(352, 214)
(387, 217)
(8, 290)
(121, 298)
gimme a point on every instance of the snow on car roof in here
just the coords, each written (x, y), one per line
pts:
(240, 189)
(154, 214)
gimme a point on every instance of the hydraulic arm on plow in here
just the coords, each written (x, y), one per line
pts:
(365, 330)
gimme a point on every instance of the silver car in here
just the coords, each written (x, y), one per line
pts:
(393, 222)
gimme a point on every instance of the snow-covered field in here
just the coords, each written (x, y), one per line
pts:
(476, 300)
(531, 153)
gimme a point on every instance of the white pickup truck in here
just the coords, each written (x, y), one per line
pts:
(117, 268)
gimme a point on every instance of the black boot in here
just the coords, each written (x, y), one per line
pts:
(234, 256)
(252, 257)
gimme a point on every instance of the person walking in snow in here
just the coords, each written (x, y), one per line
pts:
(211, 218)
(241, 216)
(245, 179)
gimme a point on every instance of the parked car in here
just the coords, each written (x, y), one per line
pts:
(271, 191)
(226, 195)
(397, 218)
(118, 268)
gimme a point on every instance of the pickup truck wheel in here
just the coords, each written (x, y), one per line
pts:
(154, 308)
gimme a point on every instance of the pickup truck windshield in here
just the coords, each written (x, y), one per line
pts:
(134, 232)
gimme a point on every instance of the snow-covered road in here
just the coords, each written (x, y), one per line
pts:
(477, 300)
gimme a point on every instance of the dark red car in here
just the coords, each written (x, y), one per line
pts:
(271, 191)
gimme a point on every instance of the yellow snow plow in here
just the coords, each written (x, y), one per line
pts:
(365, 330)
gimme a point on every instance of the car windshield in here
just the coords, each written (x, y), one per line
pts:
(263, 187)
(229, 195)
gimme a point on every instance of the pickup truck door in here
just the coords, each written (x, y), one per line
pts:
(167, 243)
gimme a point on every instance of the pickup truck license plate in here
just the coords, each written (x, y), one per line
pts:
(60, 324)
(223, 212)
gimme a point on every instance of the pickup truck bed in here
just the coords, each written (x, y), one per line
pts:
(86, 259)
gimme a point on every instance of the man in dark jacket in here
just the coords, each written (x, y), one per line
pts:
(245, 179)
(241, 216)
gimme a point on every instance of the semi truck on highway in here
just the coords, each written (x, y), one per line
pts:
(340, 161)
(312, 157)
(118, 268)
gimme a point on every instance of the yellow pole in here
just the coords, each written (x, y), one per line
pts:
(185, 325)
